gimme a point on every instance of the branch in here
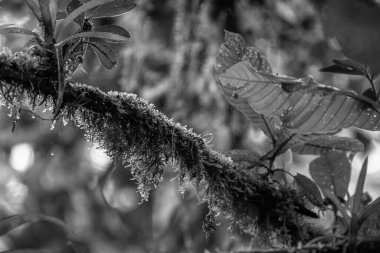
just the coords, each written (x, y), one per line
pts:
(132, 130)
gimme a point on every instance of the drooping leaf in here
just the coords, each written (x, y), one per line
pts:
(303, 105)
(35, 8)
(345, 67)
(113, 29)
(105, 54)
(327, 143)
(113, 9)
(310, 189)
(14, 221)
(232, 51)
(359, 188)
(78, 12)
(7, 29)
(332, 172)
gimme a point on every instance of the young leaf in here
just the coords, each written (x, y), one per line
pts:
(105, 54)
(14, 221)
(78, 12)
(7, 29)
(325, 144)
(35, 7)
(310, 189)
(359, 188)
(345, 67)
(332, 172)
(113, 29)
(113, 9)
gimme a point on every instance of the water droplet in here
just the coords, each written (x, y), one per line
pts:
(51, 153)
(52, 126)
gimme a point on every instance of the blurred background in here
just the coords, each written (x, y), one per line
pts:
(51, 169)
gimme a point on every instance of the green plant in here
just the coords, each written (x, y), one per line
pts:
(299, 114)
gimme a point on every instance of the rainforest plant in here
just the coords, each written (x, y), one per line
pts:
(296, 115)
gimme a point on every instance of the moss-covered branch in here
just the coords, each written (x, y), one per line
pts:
(130, 129)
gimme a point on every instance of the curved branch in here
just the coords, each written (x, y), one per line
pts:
(129, 128)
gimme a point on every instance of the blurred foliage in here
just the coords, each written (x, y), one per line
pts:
(169, 62)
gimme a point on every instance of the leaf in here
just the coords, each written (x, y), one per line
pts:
(8, 29)
(332, 172)
(232, 51)
(113, 9)
(73, 5)
(303, 105)
(359, 188)
(34, 6)
(78, 12)
(310, 189)
(105, 54)
(113, 29)
(53, 7)
(328, 194)
(14, 221)
(345, 67)
(325, 144)
(100, 35)
(46, 21)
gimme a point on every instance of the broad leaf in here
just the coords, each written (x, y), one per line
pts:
(232, 51)
(113, 29)
(303, 105)
(113, 9)
(327, 143)
(332, 172)
(105, 54)
(310, 189)
(345, 67)
(14, 221)
(7, 29)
